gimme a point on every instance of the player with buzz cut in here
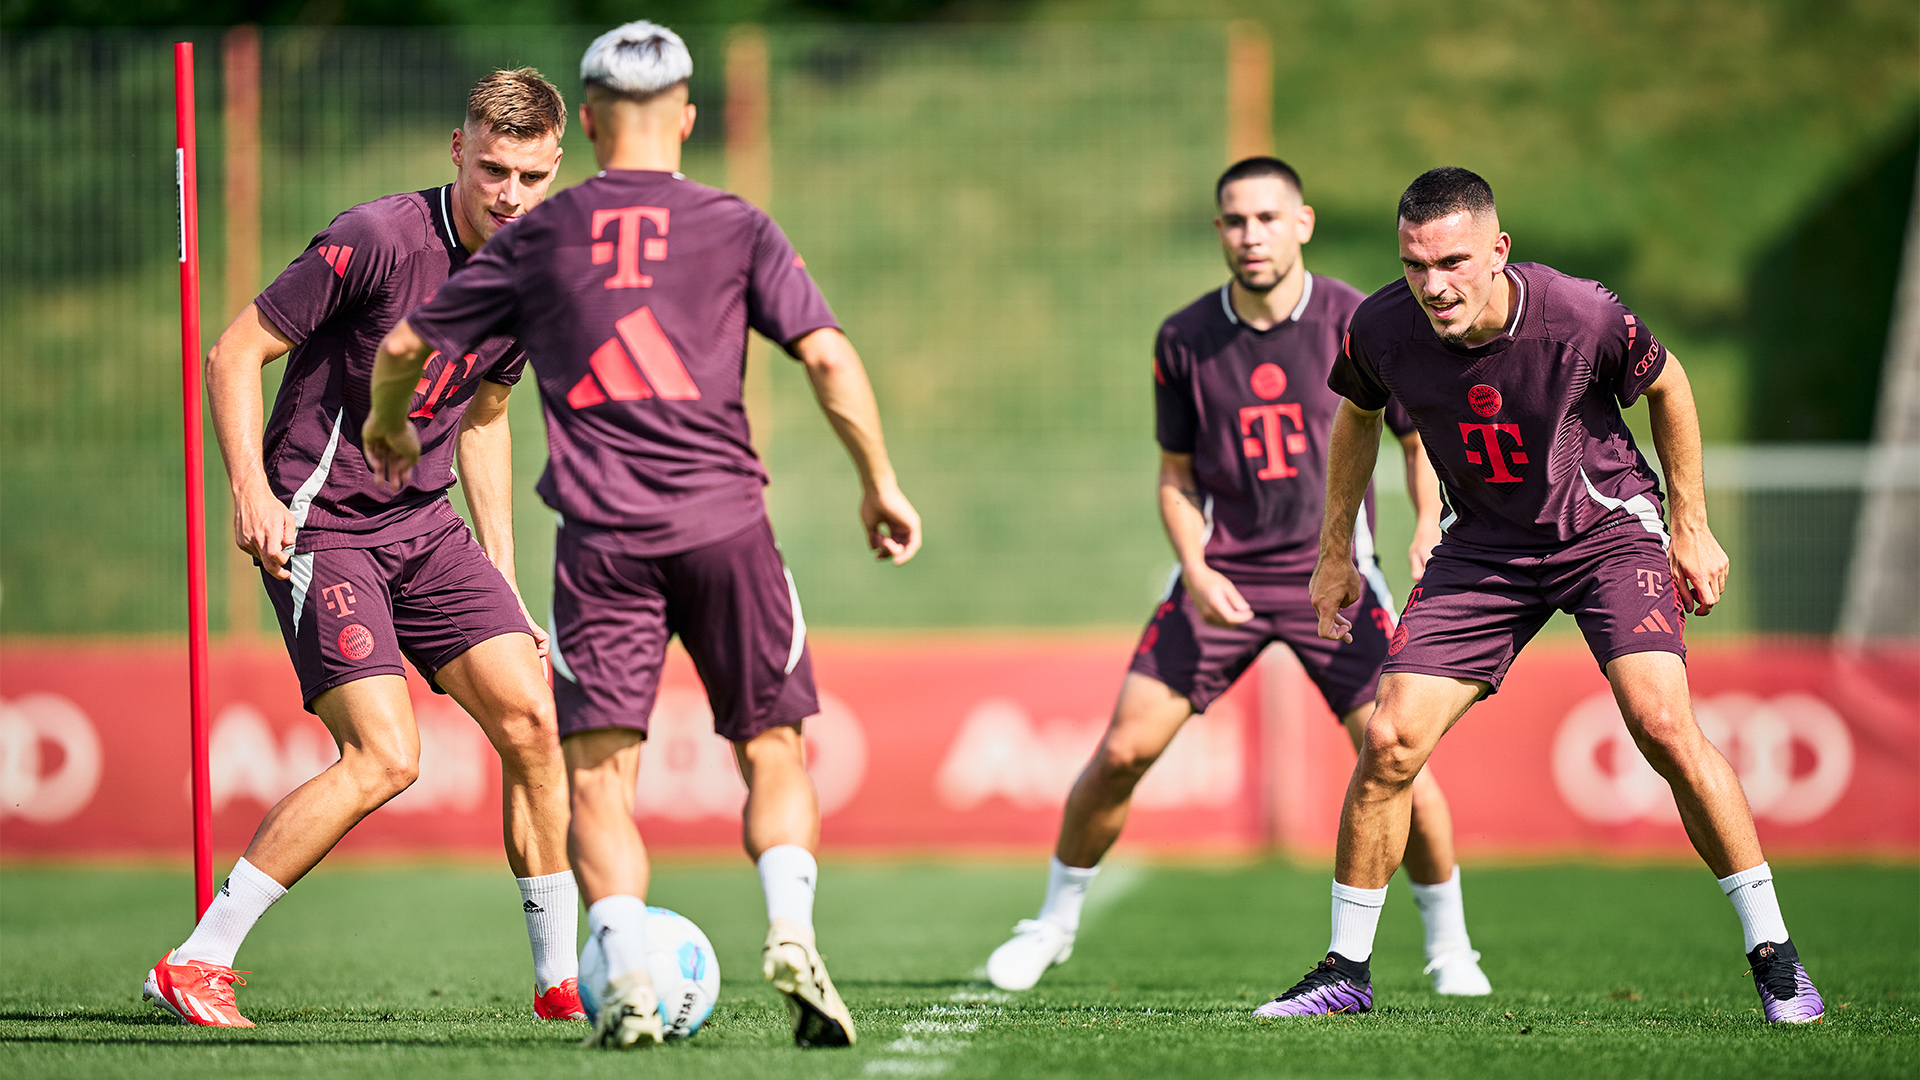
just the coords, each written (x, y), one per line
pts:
(1243, 416)
(1515, 375)
(362, 576)
(636, 290)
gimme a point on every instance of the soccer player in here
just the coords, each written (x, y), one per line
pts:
(362, 575)
(1243, 418)
(636, 290)
(1515, 375)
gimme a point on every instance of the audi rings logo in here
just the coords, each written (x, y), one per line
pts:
(49, 759)
(1793, 754)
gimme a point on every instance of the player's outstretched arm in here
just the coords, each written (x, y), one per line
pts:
(1699, 565)
(391, 446)
(1184, 514)
(1351, 453)
(1423, 487)
(840, 385)
(262, 525)
(485, 452)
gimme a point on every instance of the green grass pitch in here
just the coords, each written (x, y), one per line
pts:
(381, 970)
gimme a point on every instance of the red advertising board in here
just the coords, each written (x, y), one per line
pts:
(951, 743)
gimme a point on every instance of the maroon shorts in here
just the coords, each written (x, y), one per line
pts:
(733, 604)
(1475, 609)
(1199, 660)
(348, 613)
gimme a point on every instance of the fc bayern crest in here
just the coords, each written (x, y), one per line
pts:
(1484, 399)
(356, 642)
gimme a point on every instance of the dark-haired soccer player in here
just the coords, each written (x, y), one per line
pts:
(1515, 375)
(1243, 418)
(636, 290)
(362, 575)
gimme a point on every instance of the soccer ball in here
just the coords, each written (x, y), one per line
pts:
(686, 975)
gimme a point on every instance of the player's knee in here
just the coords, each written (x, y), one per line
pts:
(1665, 732)
(531, 733)
(1389, 755)
(1123, 762)
(387, 771)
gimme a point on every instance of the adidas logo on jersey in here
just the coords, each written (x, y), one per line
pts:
(1654, 623)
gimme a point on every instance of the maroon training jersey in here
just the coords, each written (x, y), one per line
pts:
(336, 303)
(634, 291)
(1253, 408)
(1525, 430)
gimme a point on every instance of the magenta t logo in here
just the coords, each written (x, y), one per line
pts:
(1490, 439)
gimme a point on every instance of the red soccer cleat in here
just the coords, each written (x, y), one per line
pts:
(561, 1002)
(196, 993)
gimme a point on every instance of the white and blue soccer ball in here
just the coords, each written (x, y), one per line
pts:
(686, 974)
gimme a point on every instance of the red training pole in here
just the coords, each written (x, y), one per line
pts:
(185, 177)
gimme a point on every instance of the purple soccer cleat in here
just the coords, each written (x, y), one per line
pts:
(1787, 996)
(1335, 985)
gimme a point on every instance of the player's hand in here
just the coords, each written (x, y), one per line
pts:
(893, 525)
(1699, 568)
(1426, 537)
(1336, 585)
(263, 528)
(539, 632)
(390, 454)
(1216, 598)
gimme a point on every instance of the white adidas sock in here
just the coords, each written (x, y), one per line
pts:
(620, 922)
(1356, 915)
(551, 904)
(788, 874)
(1445, 915)
(239, 902)
(1759, 909)
(1066, 893)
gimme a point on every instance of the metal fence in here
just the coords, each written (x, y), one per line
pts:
(999, 216)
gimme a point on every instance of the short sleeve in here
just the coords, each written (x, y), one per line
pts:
(341, 269)
(783, 303)
(508, 369)
(1398, 421)
(1176, 419)
(1627, 358)
(1354, 377)
(479, 300)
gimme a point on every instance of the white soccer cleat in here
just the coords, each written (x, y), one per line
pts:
(794, 967)
(1036, 945)
(1459, 974)
(629, 1016)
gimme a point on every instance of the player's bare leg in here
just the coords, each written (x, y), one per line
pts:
(1651, 689)
(1451, 959)
(499, 682)
(1145, 720)
(1411, 714)
(372, 722)
(780, 826)
(610, 863)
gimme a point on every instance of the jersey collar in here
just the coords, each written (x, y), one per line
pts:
(1299, 309)
(442, 201)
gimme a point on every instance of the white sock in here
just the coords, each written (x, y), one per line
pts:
(1759, 909)
(551, 904)
(1445, 914)
(1066, 893)
(788, 874)
(620, 922)
(1356, 915)
(239, 902)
